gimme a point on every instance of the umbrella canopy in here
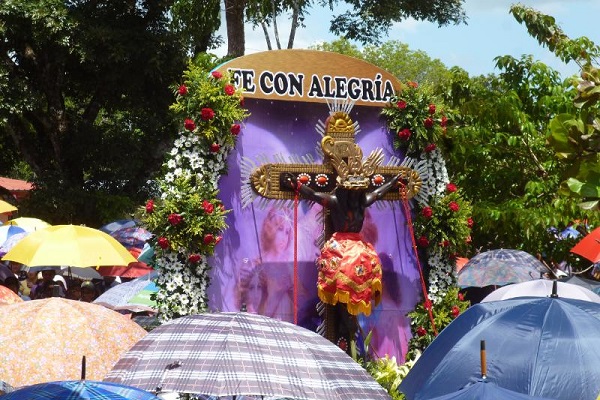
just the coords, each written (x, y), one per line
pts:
(590, 284)
(60, 332)
(79, 390)
(226, 354)
(7, 296)
(11, 242)
(500, 267)
(133, 295)
(133, 270)
(29, 224)
(6, 231)
(6, 207)
(116, 225)
(540, 346)
(589, 246)
(542, 288)
(484, 389)
(76, 246)
(132, 236)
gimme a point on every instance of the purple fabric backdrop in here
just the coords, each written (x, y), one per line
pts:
(254, 262)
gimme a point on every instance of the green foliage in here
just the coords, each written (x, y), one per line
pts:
(415, 118)
(389, 374)
(451, 305)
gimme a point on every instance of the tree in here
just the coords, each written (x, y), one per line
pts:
(396, 58)
(85, 99)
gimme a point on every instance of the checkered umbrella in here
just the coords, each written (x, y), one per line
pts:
(500, 267)
(79, 390)
(227, 354)
(132, 236)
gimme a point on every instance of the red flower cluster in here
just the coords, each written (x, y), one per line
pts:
(421, 331)
(217, 75)
(470, 222)
(428, 123)
(215, 147)
(175, 219)
(207, 114)
(401, 104)
(453, 206)
(208, 206)
(208, 238)
(163, 243)
(229, 90)
(182, 90)
(455, 311)
(150, 206)
(430, 147)
(235, 129)
(189, 124)
(194, 258)
(451, 188)
(432, 109)
(423, 241)
(444, 122)
(404, 134)
(427, 212)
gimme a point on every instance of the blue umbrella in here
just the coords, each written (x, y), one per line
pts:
(6, 231)
(119, 224)
(76, 390)
(484, 389)
(540, 346)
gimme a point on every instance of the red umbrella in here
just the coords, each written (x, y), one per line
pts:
(133, 270)
(589, 246)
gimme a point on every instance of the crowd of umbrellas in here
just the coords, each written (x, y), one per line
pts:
(532, 338)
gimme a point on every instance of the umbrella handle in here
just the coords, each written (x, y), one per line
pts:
(483, 360)
(83, 368)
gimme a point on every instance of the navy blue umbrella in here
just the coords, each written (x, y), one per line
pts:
(484, 389)
(78, 390)
(540, 346)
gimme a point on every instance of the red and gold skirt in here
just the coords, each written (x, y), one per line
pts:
(349, 272)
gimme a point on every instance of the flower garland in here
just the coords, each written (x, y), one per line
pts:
(187, 218)
(442, 226)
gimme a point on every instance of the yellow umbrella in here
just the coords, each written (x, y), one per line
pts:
(72, 245)
(45, 340)
(6, 207)
(28, 223)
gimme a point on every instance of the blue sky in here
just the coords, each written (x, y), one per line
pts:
(491, 31)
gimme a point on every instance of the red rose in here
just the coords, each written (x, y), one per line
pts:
(194, 258)
(208, 207)
(183, 90)
(421, 331)
(461, 296)
(150, 206)
(432, 109)
(174, 219)
(189, 124)
(423, 241)
(455, 311)
(444, 122)
(229, 90)
(427, 212)
(208, 238)
(445, 243)
(401, 104)
(214, 148)
(207, 114)
(217, 75)
(451, 188)
(163, 243)
(218, 239)
(430, 147)
(470, 222)
(235, 129)
(404, 134)
(453, 206)
(428, 123)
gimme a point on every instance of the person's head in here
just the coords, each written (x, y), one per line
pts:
(48, 275)
(277, 231)
(15, 267)
(74, 292)
(253, 288)
(12, 283)
(88, 291)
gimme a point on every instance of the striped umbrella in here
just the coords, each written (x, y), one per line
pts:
(79, 390)
(229, 354)
(133, 295)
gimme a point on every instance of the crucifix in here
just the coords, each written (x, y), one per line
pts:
(349, 270)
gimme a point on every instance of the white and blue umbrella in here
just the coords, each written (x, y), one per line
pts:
(79, 390)
(6, 231)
